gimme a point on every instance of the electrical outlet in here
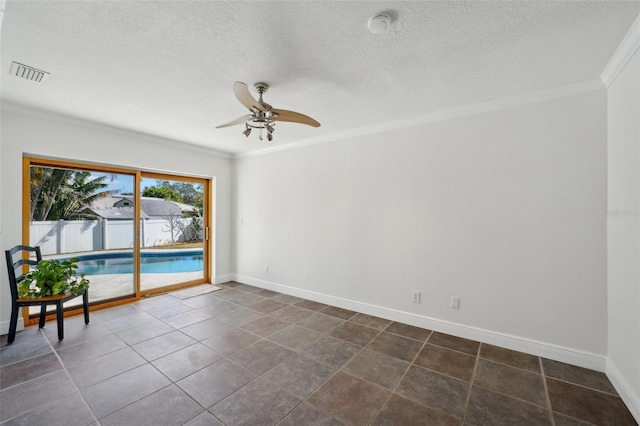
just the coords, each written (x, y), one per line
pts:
(416, 297)
(455, 302)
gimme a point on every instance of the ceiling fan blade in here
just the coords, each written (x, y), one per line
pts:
(293, 117)
(238, 120)
(244, 96)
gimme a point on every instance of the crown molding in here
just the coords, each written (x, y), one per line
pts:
(623, 54)
(14, 108)
(466, 110)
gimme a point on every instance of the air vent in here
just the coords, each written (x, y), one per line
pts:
(28, 73)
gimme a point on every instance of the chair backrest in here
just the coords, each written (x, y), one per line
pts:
(12, 265)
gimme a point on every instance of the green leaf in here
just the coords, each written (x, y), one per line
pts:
(51, 278)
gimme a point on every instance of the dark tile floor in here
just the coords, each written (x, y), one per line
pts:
(246, 356)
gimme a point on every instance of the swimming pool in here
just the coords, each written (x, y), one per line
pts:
(151, 262)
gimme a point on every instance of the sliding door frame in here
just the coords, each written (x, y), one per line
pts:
(206, 220)
(137, 174)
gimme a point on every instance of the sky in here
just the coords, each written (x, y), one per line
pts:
(123, 183)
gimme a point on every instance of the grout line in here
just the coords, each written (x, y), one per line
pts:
(509, 365)
(235, 391)
(546, 392)
(304, 400)
(291, 411)
(258, 376)
(511, 396)
(339, 369)
(33, 357)
(72, 381)
(24, 359)
(411, 364)
(406, 337)
(45, 375)
(580, 421)
(454, 350)
(507, 394)
(583, 386)
(471, 381)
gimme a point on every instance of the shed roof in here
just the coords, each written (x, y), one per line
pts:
(153, 206)
(115, 213)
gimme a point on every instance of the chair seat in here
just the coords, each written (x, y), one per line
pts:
(44, 299)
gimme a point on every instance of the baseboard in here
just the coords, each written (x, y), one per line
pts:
(220, 279)
(547, 350)
(626, 392)
(4, 326)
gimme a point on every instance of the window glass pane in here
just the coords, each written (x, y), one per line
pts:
(86, 214)
(172, 232)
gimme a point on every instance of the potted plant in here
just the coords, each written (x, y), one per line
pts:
(52, 278)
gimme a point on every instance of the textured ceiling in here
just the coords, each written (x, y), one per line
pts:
(166, 68)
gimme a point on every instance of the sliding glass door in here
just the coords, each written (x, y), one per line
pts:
(173, 232)
(73, 213)
(134, 233)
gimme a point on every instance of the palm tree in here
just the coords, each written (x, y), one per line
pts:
(45, 185)
(63, 193)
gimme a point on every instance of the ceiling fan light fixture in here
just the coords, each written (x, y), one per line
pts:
(247, 131)
(269, 128)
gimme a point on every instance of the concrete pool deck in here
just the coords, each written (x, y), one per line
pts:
(111, 286)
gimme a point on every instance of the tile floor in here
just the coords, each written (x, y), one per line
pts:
(247, 356)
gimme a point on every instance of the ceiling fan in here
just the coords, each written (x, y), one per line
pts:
(263, 115)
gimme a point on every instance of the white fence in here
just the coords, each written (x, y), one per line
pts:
(71, 236)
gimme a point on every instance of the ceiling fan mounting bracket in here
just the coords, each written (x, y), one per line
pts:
(261, 87)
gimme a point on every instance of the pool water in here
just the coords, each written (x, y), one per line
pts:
(150, 263)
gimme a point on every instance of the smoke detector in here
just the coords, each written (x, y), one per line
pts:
(28, 73)
(379, 24)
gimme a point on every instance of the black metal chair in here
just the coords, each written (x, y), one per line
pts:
(16, 275)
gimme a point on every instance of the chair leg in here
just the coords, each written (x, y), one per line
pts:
(59, 318)
(13, 324)
(85, 305)
(43, 315)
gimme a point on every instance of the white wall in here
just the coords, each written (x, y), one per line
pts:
(41, 137)
(503, 209)
(623, 233)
